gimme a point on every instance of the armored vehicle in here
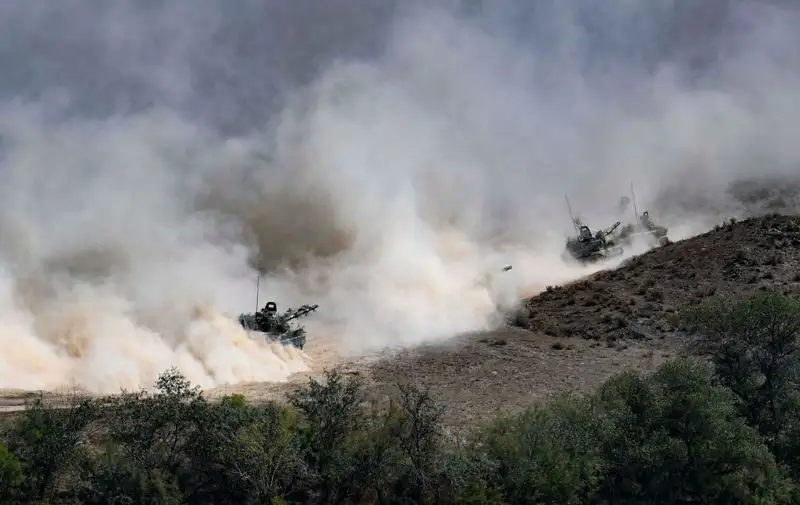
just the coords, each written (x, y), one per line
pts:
(588, 247)
(278, 327)
(645, 228)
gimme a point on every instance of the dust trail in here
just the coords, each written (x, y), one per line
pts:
(108, 278)
(389, 183)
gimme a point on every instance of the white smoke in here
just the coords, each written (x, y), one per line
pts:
(391, 191)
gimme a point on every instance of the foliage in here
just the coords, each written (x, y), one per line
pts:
(11, 476)
(676, 437)
(545, 455)
(723, 430)
(754, 344)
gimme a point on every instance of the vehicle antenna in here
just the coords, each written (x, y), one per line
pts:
(571, 215)
(635, 210)
(258, 285)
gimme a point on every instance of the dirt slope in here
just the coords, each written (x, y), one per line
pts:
(573, 337)
(640, 299)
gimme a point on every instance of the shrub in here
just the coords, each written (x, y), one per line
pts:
(545, 455)
(754, 344)
(676, 437)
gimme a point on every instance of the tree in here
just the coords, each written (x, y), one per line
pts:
(331, 420)
(11, 476)
(754, 344)
(546, 455)
(48, 441)
(263, 456)
(676, 437)
(172, 446)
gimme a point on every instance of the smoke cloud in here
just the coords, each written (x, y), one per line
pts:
(382, 160)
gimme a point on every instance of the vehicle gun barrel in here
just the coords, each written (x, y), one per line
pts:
(610, 230)
(302, 311)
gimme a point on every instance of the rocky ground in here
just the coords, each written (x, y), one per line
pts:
(640, 300)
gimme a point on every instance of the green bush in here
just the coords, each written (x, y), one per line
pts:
(545, 455)
(11, 476)
(754, 344)
(676, 437)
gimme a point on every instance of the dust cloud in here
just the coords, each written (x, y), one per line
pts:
(387, 171)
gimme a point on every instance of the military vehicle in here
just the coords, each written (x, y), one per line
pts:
(278, 327)
(588, 247)
(645, 228)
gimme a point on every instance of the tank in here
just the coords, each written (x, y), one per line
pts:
(587, 247)
(645, 228)
(277, 327)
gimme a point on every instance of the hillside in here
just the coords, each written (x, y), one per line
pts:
(574, 336)
(639, 300)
